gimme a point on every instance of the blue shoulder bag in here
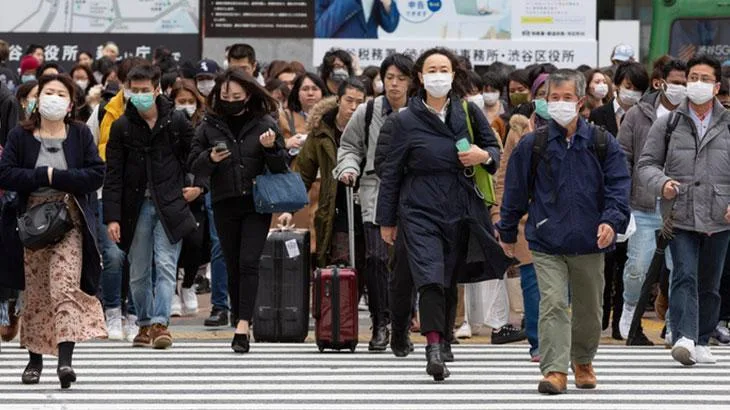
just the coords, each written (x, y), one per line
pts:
(285, 192)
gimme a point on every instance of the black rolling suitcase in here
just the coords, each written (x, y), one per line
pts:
(282, 302)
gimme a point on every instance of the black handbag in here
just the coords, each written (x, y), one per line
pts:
(45, 224)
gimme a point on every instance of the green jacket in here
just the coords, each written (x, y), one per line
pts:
(319, 156)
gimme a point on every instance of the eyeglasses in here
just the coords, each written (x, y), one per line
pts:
(705, 78)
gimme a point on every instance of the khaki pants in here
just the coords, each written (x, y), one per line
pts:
(562, 337)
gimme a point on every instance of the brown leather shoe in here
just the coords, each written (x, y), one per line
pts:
(585, 377)
(143, 337)
(8, 333)
(553, 383)
(161, 337)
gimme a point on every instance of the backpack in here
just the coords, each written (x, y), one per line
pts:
(672, 122)
(539, 153)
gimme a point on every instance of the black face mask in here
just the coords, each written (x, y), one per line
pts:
(232, 108)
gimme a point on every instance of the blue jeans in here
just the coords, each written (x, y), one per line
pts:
(531, 297)
(113, 272)
(150, 241)
(218, 273)
(641, 249)
(694, 305)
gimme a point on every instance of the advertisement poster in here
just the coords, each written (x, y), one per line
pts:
(518, 32)
(259, 19)
(67, 27)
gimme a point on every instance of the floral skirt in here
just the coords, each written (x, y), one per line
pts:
(55, 309)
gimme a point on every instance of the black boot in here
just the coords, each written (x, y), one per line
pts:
(240, 343)
(218, 317)
(401, 344)
(65, 372)
(446, 352)
(435, 365)
(380, 339)
(32, 372)
(640, 339)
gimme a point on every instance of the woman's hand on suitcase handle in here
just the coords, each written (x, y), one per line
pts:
(348, 178)
(285, 222)
(389, 234)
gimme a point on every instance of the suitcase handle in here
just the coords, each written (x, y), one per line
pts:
(351, 223)
(317, 300)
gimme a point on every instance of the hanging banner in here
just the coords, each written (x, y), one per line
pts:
(520, 53)
(259, 19)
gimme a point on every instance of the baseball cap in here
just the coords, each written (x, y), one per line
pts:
(207, 66)
(29, 63)
(623, 52)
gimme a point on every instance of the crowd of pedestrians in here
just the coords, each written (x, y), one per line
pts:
(465, 177)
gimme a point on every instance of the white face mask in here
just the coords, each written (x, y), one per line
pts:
(378, 87)
(491, 98)
(478, 100)
(629, 97)
(206, 86)
(188, 108)
(437, 84)
(83, 84)
(600, 90)
(53, 107)
(563, 112)
(675, 93)
(700, 92)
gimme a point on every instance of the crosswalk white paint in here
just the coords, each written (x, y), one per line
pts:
(208, 375)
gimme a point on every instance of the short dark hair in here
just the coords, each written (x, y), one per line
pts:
(493, 79)
(78, 56)
(402, 62)
(458, 85)
(48, 65)
(260, 102)
(473, 80)
(351, 83)
(34, 121)
(293, 102)
(634, 72)
(706, 60)
(145, 72)
(329, 60)
(33, 47)
(673, 65)
(240, 51)
(520, 76)
(168, 80)
(583, 68)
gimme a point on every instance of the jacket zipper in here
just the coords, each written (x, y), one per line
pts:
(148, 166)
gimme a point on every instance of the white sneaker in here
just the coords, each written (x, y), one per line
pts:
(464, 332)
(684, 351)
(130, 328)
(114, 324)
(627, 316)
(704, 355)
(189, 301)
(176, 306)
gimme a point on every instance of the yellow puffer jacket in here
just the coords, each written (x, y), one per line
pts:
(114, 109)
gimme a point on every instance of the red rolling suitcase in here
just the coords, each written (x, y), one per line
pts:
(334, 305)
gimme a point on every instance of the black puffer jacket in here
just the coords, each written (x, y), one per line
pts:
(139, 158)
(234, 176)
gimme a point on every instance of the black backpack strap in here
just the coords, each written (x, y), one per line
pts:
(539, 147)
(369, 108)
(600, 144)
(102, 111)
(672, 122)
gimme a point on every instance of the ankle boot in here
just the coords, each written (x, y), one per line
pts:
(66, 376)
(380, 339)
(435, 365)
(446, 353)
(240, 343)
(32, 373)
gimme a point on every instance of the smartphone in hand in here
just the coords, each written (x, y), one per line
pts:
(220, 147)
(463, 145)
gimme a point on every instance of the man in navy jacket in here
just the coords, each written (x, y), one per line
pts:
(354, 18)
(577, 201)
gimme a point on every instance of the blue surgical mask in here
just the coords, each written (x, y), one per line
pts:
(143, 101)
(27, 77)
(541, 109)
(30, 107)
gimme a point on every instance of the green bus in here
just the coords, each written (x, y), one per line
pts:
(683, 28)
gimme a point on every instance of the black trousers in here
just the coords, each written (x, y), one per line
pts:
(613, 291)
(437, 308)
(242, 232)
(725, 290)
(195, 247)
(401, 289)
(376, 274)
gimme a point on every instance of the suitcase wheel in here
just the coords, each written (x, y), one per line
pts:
(353, 346)
(320, 347)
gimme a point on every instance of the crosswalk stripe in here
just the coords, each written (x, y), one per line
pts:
(208, 375)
